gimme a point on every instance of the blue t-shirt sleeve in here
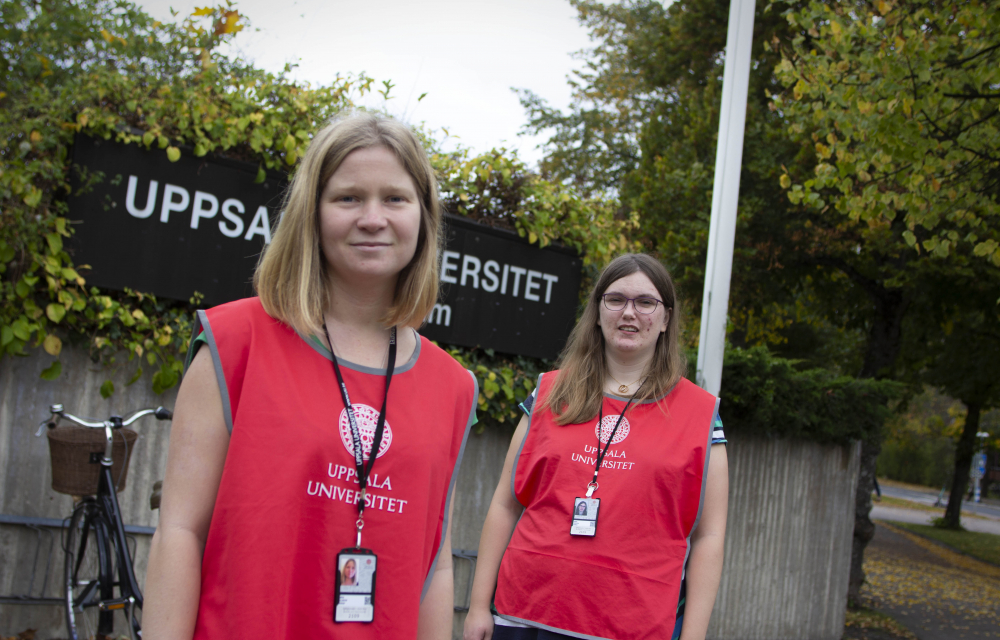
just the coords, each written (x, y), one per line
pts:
(528, 402)
(718, 435)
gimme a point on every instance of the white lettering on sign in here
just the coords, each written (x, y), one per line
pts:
(230, 215)
(440, 314)
(447, 266)
(169, 191)
(490, 272)
(205, 206)
(199, 210)
(146, 211)
(470, 271)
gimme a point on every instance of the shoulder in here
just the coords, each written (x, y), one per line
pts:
(689, 391)
(239, 317)
(245, 309)
(445, 367)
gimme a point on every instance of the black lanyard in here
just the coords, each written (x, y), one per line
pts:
(359, 460)
(600, 453)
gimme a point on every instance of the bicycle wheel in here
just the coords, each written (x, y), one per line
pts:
(89, 574)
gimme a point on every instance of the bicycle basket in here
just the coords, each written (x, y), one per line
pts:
(73, 472)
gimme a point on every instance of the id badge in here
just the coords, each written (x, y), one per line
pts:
(354, 596)
(585, 516)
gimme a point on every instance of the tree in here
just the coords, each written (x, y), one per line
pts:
(896, 102)
(818, 281)
(104, 68)
(957, 352)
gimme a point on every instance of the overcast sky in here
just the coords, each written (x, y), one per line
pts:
(465, 54)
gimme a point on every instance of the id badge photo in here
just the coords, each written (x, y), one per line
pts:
(354, 596)
(585, 516)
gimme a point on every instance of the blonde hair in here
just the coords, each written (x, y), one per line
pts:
(292, 279)
(576, 395)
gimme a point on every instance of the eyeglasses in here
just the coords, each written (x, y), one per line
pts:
(617, 302)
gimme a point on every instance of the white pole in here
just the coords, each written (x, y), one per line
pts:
(725, 195)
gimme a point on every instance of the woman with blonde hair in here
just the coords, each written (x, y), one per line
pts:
(618, 431)
(317, 423)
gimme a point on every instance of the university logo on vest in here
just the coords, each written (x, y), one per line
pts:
(367, 419)
(603, 431)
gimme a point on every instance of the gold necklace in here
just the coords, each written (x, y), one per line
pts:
(622, 388)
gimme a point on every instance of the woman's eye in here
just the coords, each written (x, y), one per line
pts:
(645, 303)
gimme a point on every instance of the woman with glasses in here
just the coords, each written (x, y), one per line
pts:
(619, 426)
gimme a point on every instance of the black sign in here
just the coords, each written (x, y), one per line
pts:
(170, 228)
(199, 224)
(499, 292)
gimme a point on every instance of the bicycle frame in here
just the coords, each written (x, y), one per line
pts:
(107, 526)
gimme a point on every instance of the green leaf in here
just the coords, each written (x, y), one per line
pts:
(6, 336)
(55, 242)
(261, 175)
(52, 372)
(55, 312)
(20, 329)
(173, 154)
(6, 252)
(107, 389)
(135, 377)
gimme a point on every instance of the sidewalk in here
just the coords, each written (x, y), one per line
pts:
(936, 593)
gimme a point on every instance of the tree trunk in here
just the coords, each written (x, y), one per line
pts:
(963, 462)
(864, 528)
(881, 350)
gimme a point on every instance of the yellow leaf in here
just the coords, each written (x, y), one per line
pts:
(173, 154)
(785, 181)
(107, 36)
(205, 11)
(52, 345)
(36, 136)
(532, 237)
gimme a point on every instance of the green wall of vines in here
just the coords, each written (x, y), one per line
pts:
(106, 69)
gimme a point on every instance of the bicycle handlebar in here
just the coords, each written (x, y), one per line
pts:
(57, 412)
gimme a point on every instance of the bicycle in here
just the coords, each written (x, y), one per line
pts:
(95, 546)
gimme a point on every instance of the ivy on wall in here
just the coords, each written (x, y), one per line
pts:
(106, 69)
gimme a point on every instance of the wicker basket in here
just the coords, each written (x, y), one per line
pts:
(74, 470)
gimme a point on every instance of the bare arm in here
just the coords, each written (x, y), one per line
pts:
(437, 611)
(500, 520)
(198, 444)
(707, 547)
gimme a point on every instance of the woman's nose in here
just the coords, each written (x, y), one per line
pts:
(372, 217)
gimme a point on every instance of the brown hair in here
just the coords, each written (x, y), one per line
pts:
(292, 279)
(576, 395)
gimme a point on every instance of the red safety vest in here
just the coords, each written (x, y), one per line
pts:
(286, 503)
(624, 582)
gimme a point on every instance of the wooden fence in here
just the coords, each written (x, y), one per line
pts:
(788, 541)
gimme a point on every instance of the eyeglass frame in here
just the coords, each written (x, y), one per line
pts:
(632, 300)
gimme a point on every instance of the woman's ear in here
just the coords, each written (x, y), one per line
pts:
(666, 320)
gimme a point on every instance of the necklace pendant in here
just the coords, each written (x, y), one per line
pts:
(623, 389)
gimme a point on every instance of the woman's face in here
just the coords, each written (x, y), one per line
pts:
(369, 218)
(628, 334)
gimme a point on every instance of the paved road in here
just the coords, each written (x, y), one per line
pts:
(928, 497)
(915, 516)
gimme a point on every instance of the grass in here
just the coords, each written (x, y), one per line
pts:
(984, 546)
